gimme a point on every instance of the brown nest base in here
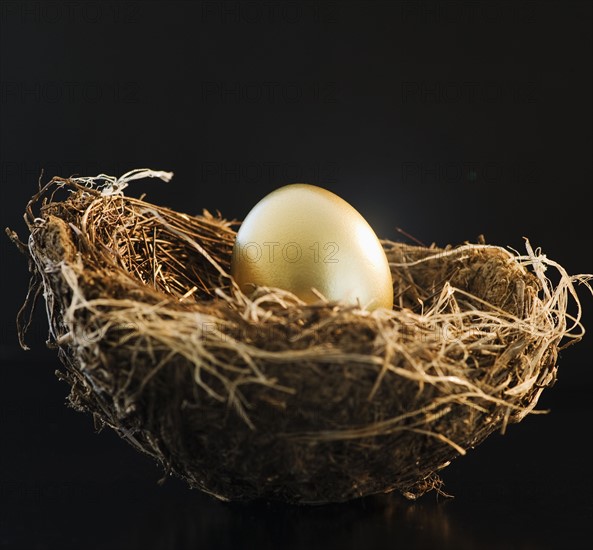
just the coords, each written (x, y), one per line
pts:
(265, 396)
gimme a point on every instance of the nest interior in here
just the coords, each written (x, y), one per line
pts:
(263, 396)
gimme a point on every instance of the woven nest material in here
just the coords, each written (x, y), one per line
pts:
(264, 395)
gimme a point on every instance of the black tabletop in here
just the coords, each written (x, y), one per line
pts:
(63, 486)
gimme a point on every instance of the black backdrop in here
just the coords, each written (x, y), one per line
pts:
(448, 120)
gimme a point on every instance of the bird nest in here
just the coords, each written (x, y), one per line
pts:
(265, 396)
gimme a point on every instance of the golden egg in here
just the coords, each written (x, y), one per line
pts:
(302, 237)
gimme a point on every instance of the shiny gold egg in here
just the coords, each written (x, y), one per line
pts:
(302, 237)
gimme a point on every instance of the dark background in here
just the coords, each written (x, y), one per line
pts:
(448, 120)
